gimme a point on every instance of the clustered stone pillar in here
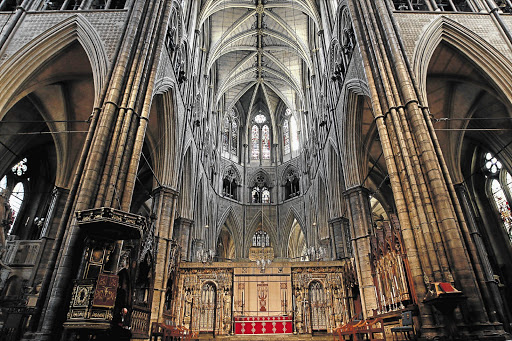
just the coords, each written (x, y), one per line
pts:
(433, 227)
(108, 165)
(183, 226)
(165, 207)
(358, 206)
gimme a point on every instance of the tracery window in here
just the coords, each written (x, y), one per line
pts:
(260, 192)
(260, 138)
(230, 184)
(74, 5)
(498, 191)
(440, 5)
(291, 184)
(230, 136)
(261, 239)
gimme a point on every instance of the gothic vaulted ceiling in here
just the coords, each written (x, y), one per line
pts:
(258, 51)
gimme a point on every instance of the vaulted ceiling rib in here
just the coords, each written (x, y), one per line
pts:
(259, 47)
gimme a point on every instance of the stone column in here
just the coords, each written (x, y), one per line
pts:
(165, 208)
(492, 298)
(182, 236)
(359, 212)
(341, 232)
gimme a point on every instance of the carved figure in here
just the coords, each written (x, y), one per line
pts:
(227, 311)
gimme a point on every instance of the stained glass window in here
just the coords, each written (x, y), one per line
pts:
(260, 118)
(15, 201)
(286, 137)
(255, 195)
(503, 206)
(225, 135)
(20, 168)
(255, 137)
(265, 196)
(492, 164)
(3, 183)
(509, 182)
(294, 134)
(234, 138)
(265, 143)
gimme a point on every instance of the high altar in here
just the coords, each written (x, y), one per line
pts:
(227, 298)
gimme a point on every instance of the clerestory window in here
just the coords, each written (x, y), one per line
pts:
(500, 190)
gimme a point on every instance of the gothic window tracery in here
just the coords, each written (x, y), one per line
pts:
(440, 5)
(230, 184)
(500, 184)
(261, 140)
(261, 239)
(291, 184)
(260, 193)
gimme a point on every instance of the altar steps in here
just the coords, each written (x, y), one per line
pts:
(287, 337)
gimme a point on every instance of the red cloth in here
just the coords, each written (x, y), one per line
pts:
(263, 325)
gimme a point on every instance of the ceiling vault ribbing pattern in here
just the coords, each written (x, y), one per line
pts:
(261, 48)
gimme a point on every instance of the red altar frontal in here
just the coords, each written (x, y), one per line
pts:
(257, 325)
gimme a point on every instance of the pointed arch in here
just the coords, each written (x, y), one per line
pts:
(351, 118)
(267, 226)
(475, 48)
(22, 65)
(291, 216)
(231, 221)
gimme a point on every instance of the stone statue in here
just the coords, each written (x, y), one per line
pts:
(188, 303)
(299, 298)
(227, 311)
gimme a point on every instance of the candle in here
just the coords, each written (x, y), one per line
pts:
(243, 298)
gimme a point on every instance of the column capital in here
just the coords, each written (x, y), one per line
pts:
(338, 220)
(165, 189)
(356, 189)
(184, 221)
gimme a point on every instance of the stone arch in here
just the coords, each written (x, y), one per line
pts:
(290, 180)
(267, 226)
(25, 62)
(475, 48)
(351, 147)
(288, 229)
(231, 221)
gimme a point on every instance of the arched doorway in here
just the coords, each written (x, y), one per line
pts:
(207, 307)
(318, 306)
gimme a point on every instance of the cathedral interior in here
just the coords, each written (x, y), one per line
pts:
(235, 169)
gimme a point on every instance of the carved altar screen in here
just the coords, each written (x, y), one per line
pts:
(207, 307)
(318, 309)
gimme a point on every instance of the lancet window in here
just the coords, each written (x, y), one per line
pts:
(261, 239)
(230, 136)
(261, 139)
(500, 190)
